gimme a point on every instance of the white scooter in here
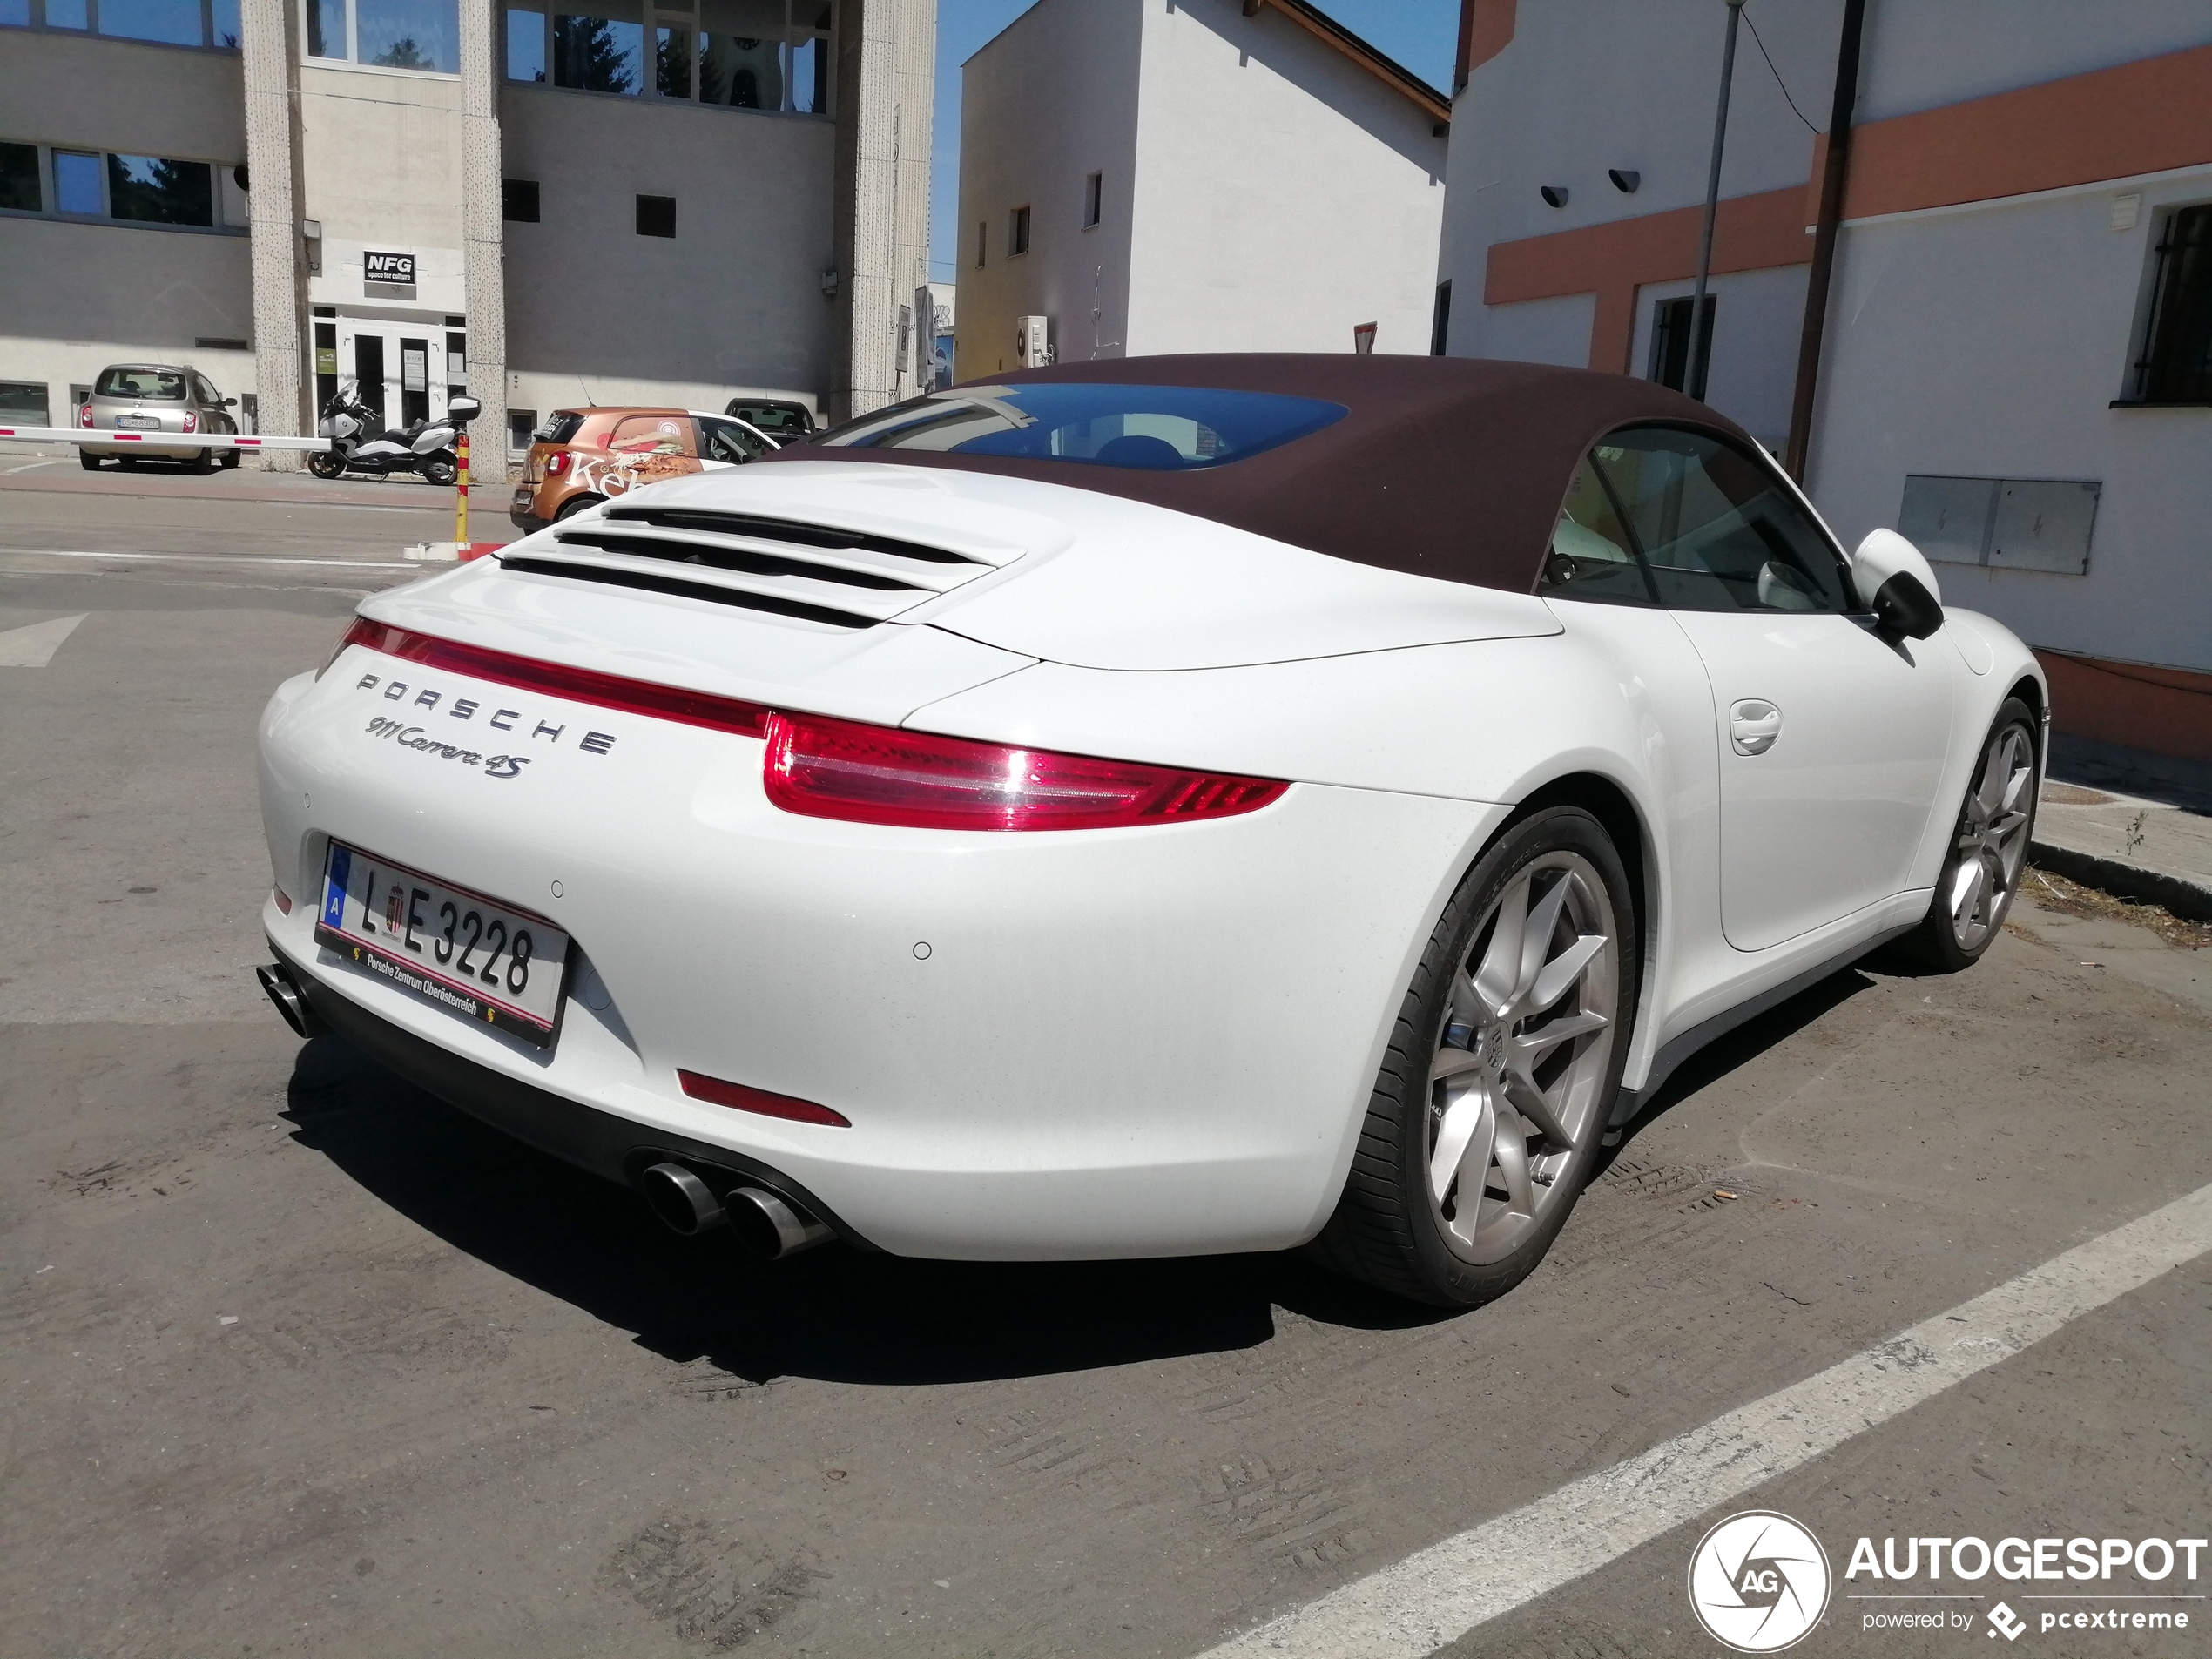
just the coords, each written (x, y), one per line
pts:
(361, 444)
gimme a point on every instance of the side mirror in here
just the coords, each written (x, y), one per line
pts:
(461, 410)
(1893, 579)
(230, 403)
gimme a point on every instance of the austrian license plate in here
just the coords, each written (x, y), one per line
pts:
(140, 420)
(473, 957)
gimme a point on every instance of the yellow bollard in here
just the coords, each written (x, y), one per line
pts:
(461, 495)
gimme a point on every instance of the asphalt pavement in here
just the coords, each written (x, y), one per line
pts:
(298, 1360)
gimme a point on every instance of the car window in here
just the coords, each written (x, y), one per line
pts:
(1718, 528)
(652, 434)
(206, 392)
(727, 441)
(1592, 555)
(778, 420)
(166, 385)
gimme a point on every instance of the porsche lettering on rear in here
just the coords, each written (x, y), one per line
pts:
(466, 708)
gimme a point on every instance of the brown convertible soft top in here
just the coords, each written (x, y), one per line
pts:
(1447, 466)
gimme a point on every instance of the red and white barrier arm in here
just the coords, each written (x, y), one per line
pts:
(165, 440)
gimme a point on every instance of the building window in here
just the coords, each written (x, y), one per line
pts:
(518, 200)
(422, 35)
(1093, 199)
(774, 56)
(1671, 333)
(982, 241)
(19, 178)
(23, 402)
(138, 190)
(520, 423)
(1017, 231)
(657, 216)
(167, 23)
(2176, 363)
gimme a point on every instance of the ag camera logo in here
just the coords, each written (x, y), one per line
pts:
(1758, 1582)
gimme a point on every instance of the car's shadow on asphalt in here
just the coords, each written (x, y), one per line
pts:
(833, 1313)
(836, 1313)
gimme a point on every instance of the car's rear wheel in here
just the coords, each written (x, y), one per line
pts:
(1495, 1095)
(576, 504)
(1988, 850)
(87, 460)
(326, 463)
(230, 459)
(201, 464)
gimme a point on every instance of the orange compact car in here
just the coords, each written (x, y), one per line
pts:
(580, 457)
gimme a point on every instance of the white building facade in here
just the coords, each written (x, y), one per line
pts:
(2015, 360)
(1193, 175)
(679, 203)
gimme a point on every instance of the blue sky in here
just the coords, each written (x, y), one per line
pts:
(1420, 34)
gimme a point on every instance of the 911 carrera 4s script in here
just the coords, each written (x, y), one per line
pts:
(449, 945)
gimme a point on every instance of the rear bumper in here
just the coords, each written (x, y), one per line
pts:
(169, 448)
(606, 1145)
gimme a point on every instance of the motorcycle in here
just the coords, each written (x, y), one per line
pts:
(360, 443)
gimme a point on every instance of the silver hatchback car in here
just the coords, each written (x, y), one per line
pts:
(151, 398)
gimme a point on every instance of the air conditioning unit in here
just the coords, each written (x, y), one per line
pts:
(1033, 341)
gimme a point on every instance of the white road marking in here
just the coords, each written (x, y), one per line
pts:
(204, 558)
(33, 646)
(1438, 1594)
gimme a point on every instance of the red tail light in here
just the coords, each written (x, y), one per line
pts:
(557, 463)
(872, 774)
(84, 415)
(191, 421)
(737, 1096)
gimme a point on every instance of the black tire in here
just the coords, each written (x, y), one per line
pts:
(440, 473)
(201, 465)
(1386, 1230)
(87, 460)
(230, 459)
(326, 463)
(576, 504)
(1942, 942)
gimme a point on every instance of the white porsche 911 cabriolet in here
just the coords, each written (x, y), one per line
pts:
(1145, 807)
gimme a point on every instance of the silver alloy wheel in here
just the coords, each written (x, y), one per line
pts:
(1992, 841)
(1527, 1041)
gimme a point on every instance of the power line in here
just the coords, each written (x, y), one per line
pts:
(1776, 73)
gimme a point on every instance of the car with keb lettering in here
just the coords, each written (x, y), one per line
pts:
(581, 458)
(1146, 807)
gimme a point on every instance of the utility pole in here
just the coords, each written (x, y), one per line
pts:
(1835, 173)
(1701, 345)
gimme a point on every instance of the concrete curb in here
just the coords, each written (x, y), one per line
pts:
(2183, 898)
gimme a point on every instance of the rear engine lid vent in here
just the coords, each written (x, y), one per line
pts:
(821, 572)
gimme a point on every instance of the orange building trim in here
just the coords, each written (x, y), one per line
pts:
(2144, 117)
(1750, 233)
(2166, 711)
(1486, 30)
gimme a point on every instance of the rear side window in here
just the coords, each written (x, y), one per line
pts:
(1592, 555)
(1718, 530)
(153, 385)
(652, 434)
(561, 427)
(727, 441)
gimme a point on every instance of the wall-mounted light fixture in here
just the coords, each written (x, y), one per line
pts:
(1625, 179)
(1554, 195)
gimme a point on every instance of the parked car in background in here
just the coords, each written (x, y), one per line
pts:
(581, 458)
(156, 397)
(782, 420)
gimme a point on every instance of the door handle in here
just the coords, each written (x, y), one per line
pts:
(1753, 724)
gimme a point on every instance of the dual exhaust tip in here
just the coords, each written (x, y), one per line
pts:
(769, 1224)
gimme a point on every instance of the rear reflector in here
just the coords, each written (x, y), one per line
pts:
(715, 1092)
(872, 774)
(283, 900)
(577, 685)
